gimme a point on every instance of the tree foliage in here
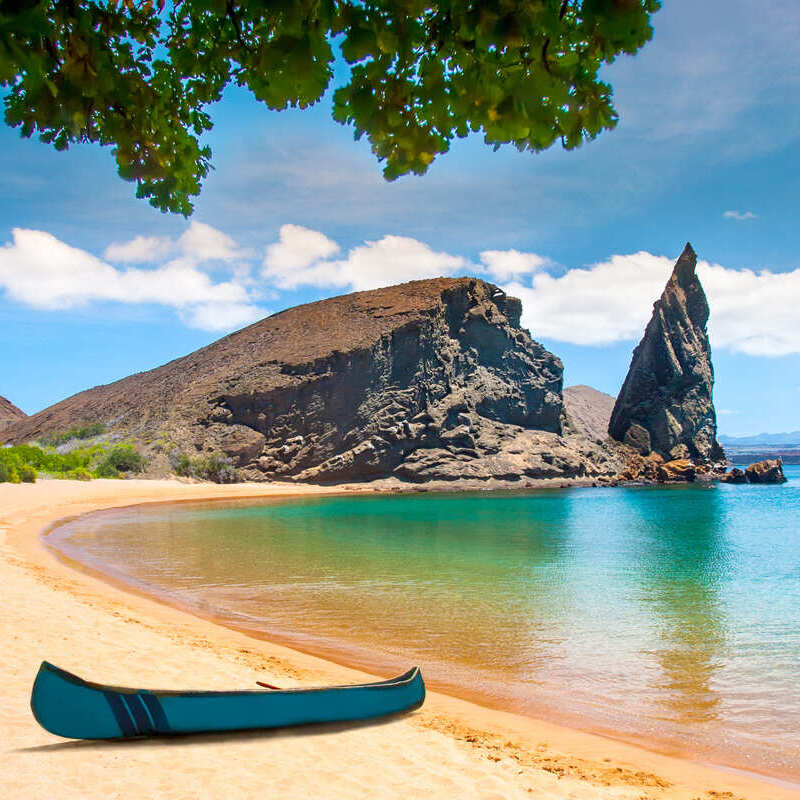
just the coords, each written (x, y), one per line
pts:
(139, 75)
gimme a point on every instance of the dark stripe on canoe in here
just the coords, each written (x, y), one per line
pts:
(139, 714)
(121, 714)
(156, 712)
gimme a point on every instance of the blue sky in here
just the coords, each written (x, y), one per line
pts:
(296, 210)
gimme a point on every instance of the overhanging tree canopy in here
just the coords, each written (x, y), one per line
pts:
(139, 75)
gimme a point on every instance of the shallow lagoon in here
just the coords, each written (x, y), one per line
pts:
(669, 614)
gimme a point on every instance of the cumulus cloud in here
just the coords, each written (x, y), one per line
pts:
(295, 258)
(221, 316)
(302, 257)
(41, 271)
(740, 216)
(201, 243)
(606, 303)
(138, 250)
(751, 312)
(505, 265)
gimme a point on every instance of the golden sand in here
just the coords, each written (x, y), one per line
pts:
(449, 748)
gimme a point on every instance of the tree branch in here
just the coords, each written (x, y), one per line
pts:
(231, 12)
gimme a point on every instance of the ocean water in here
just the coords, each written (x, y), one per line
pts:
(669, 615)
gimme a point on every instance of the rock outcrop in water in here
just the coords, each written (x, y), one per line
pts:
(768, 471)
(9, 413)
(429, 380)
(665, 405)
(736, 475)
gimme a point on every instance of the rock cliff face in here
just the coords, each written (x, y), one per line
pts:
(427, 380)
(665, 405)
(9, 412)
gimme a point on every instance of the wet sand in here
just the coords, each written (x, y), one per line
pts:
(450, 747)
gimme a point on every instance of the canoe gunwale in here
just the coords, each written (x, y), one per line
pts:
(400, 680)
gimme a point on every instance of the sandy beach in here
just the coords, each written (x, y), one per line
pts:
(448, 748)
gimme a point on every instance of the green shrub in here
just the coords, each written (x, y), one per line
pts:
(27, 474)
(25, 461)
(217, 468)
(121, 458)
(214, 467)
(181, 463)
(78, 474)
(10, 464)
(52, 462)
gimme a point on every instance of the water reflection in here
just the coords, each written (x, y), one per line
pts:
(683, 561)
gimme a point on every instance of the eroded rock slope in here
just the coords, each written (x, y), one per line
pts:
(431, 379)
(9, 413)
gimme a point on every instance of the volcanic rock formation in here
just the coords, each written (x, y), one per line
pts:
(665, 404)
(431, 379)
(9, 412)
(768, 471)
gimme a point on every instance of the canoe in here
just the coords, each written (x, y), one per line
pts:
(69, 706)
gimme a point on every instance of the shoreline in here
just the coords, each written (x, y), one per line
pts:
(451, 744)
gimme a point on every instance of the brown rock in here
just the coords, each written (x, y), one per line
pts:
(665, 404)
(736, 475)
(9, 413)
(768, 471)
(642, 469)
(677, 470)
(429, 380)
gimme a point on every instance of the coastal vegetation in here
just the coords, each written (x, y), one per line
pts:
(25, 462)
(139, 76)
(13, 469)
(215, 467)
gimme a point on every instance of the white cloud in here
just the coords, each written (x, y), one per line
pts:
(201, 242)
(292, 260)
(607, 302)
(505, 265)
(751, 312)
(741, 216)
(42, 272)
(138, 250)
(726, 412)
(221, 316)
(301, 258)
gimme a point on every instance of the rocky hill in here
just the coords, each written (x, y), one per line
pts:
(429, 380)
(665, 406)
(9, 413)
(588, 411)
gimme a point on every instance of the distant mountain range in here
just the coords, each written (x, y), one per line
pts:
(763, 440)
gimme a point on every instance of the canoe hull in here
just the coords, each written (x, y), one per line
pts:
(68, 706)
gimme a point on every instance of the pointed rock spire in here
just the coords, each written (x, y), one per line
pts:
(665, 405)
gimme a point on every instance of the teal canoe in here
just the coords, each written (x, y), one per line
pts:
(68, 706)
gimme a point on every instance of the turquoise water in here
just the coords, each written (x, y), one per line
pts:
(669, 614)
